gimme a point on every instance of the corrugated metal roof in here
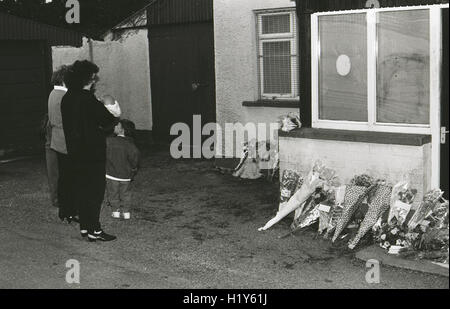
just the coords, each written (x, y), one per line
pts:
(179, 11)
(308, 6)
(18, 28)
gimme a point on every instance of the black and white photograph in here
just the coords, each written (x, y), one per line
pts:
(224, 149)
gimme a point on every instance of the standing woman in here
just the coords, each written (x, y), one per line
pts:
(83, 119)
(57, 160)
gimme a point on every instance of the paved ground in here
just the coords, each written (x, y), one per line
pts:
(193, 228)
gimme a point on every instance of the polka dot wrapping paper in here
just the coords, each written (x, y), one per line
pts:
(353, 197)
(379, 203)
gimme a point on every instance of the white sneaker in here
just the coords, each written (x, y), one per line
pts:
(116, 214)
(126, 215)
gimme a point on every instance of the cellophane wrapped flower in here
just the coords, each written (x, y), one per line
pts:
(354, 196)
(311, 183)
(288, 185)
(290, 122)
(379, 203)
(248, 167)
(310, 213)
(431, 200)
(401, 203)
(393, 234)
(326, 210)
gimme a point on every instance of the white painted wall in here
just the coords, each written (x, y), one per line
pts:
(124, 72)
(394, 163)
(236, 61)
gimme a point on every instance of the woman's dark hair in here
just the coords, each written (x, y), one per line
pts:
(80, 74)
(59, 75)
(129, 127)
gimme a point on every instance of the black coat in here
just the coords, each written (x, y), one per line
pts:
(84, 118)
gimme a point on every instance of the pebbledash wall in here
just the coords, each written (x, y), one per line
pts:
(237, 65)
(124, 71)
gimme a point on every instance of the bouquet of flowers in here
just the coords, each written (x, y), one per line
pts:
(316, 178)
(431, 201)
(354, 195)
(290, 181)
(312, 211)
(290, 122)
(401, 203)
(248, 166)
(394, 234)
(331, 218)
(322, 194)
(378, 204)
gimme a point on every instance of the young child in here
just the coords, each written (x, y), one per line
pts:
(122, 161)
(112, 105)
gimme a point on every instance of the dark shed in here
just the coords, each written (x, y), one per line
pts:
(179, 11)
(17, 28)
(25, 72)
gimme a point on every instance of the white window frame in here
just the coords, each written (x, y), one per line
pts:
(433, 128)
(291, 37)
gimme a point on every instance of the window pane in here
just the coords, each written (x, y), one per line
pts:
(277, 67)
(276, 24)
(403, 82)
(343, 67)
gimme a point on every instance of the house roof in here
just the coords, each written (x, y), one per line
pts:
(160, 12)
(309, 6)
(18, 28)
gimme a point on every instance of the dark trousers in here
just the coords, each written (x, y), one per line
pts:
(91, 191)
(67, 187)
(118, 195)
(51, 157)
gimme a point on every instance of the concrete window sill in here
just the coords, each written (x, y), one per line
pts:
(272, 103)
(359, 136)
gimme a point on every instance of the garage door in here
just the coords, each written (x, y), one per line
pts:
(23, 95)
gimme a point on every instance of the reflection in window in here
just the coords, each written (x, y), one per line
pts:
(403, 69)
(343, 96)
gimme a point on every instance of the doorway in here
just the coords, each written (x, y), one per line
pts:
(24, 85)
(182, 76)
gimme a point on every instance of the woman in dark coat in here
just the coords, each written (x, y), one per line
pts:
(83, 119)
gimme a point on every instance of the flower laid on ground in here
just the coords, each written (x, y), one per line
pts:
(354, 196)
(257, 156)
(378, 204)
(401, 203)
(289, 183)
(309, 186)
(430, 201)
(311, 213)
